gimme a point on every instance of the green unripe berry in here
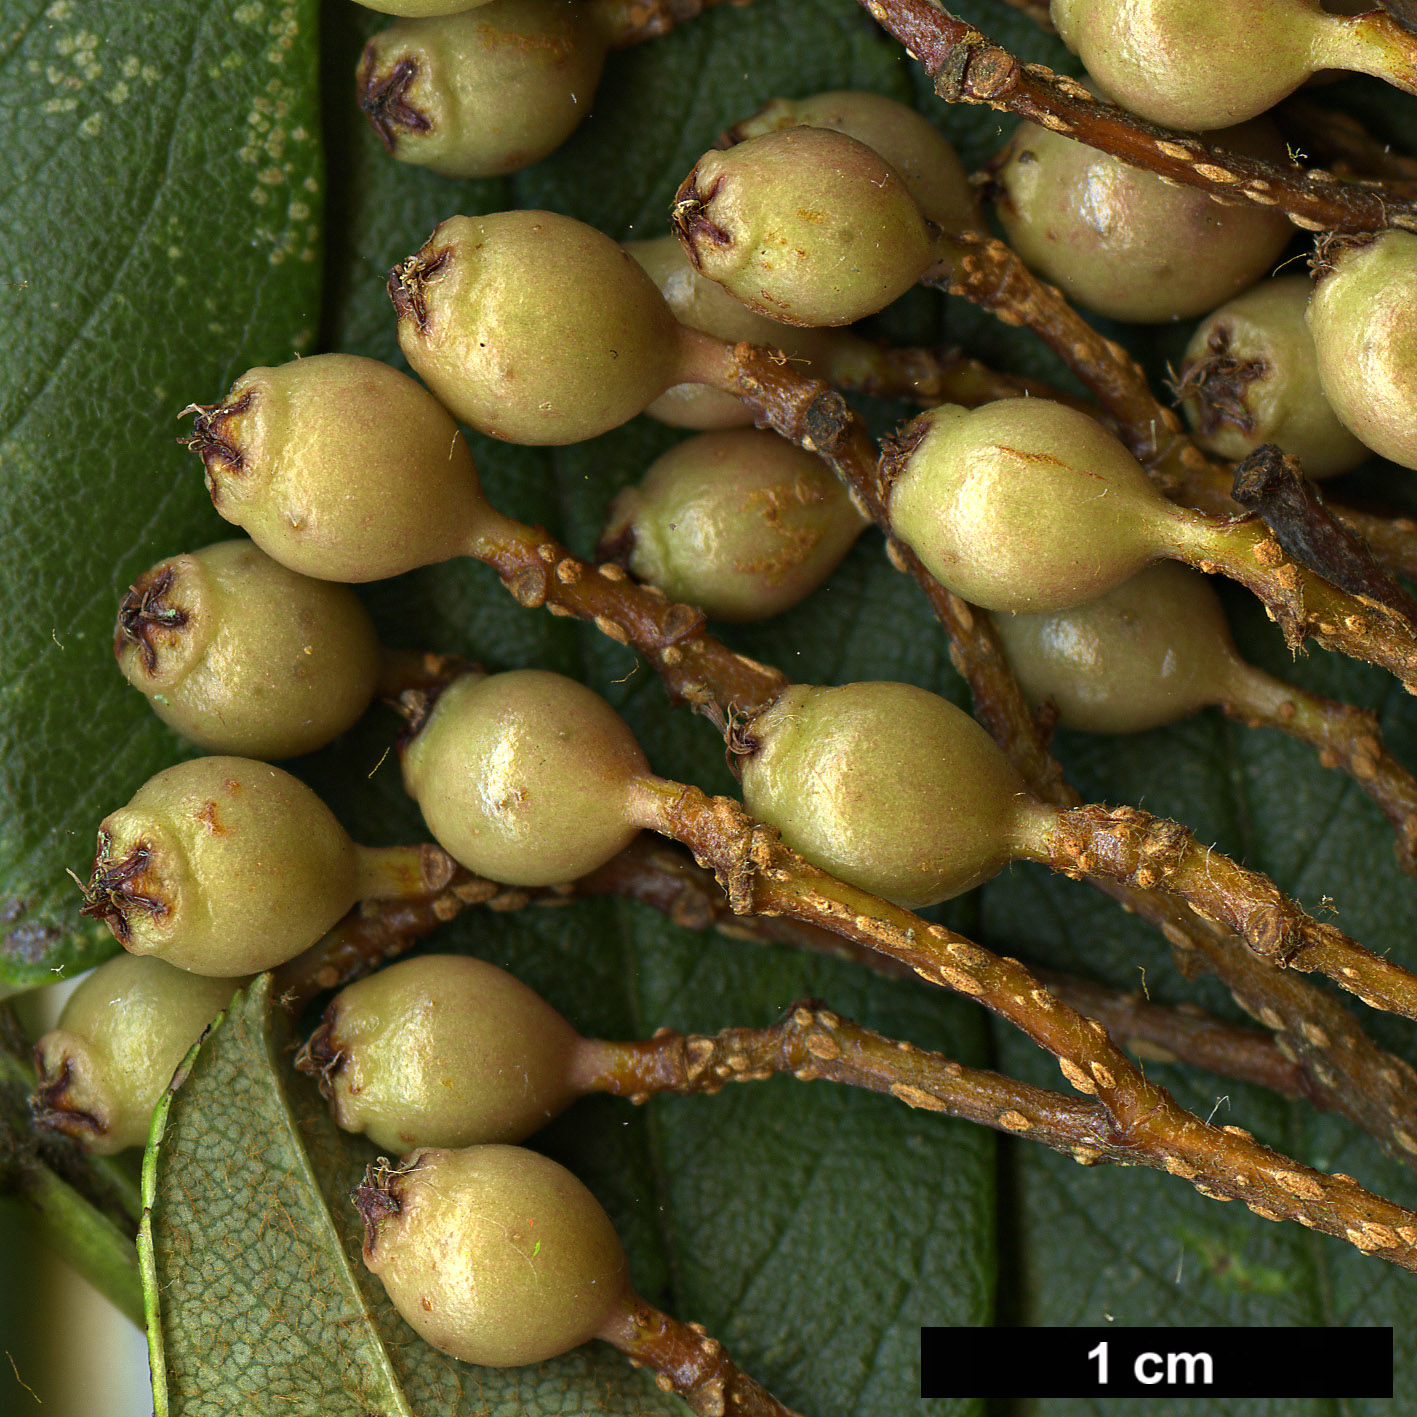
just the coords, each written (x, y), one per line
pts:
(240, 655)
(1365, 339)
(1023, 504)
(885, 785)
(1195, 64)
(493, 1254)
(1250, 376)
(741, 523)
(907, 140)
(533, 327)
(805, 225)
(1122, 241)
(121, 1034)
(443, 1050)
(341, 468)
(484, 92)
(222, 866)
(525, 777)
(1154, 650)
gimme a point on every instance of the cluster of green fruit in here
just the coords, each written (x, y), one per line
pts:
(533, 328)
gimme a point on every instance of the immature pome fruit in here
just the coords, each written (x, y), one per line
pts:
(885, 785)
(1365, 338)
(226, 867)
(484, 92)
(804, 225)
(278, 452)
(106, 1063)
(741, 523)
(1023, 504)
(241, 655)
(525, 777)
(1250, 376)
(421, 7)
(533, 327)
(1196, 64)
(443, 1050)
(493, 1254)
(1122, 241)
(917, 150)
(1154, 650)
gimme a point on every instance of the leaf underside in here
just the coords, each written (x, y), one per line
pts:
(171, 227)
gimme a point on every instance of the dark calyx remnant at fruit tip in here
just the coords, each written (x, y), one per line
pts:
(897, 449)
(406, 282)
(114, 890)
(217, 452)
(384, 103)
(377, 1197)
(320, 1057)
(1331, 246)
(143, 611)
(1217, 383)
(688, 221)
(53, 1109)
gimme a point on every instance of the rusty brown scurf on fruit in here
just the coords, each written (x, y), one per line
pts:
(384, 103)
(143, 612)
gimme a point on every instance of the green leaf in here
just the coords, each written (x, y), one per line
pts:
(160, 218)
(811, 1229)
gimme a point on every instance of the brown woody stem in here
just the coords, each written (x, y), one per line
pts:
(688, 1363)
(966, 67)
(812, 1042)
(696, 668)
(1342, 143)
(1124, 843)
(1300, 602)
(760, 875)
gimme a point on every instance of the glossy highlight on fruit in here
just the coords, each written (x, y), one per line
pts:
(1195, 64)
(1365, 339)
(494, 1254)
(1123, 242)
(485, 91)
(242, 656)
(1156, 649)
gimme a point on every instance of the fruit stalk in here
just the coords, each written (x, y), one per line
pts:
(760, 875)
(967, 67)
(688, 1362)
(1123, 843)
